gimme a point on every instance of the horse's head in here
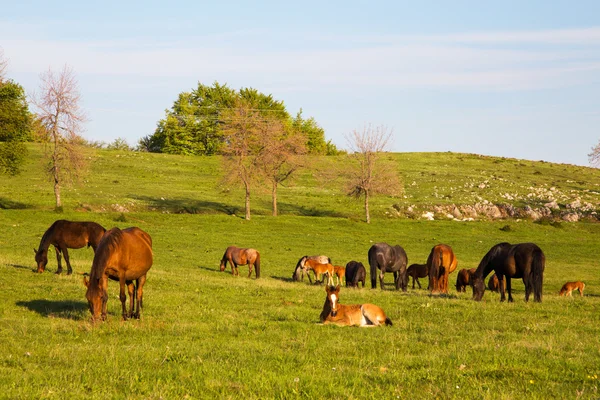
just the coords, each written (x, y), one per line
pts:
(222, 265)
(97, 296)
(333, 298)
(41, 259)
(478, 288)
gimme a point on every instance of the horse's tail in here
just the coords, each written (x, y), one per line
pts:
(388, 321)
(537, 273)
(373, 263)
(257, 265)
(434, 262)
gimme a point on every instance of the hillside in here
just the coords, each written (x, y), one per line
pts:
(445, 185)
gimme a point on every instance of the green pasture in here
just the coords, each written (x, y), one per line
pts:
(207, 334)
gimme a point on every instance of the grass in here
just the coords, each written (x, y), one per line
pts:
(206, 334)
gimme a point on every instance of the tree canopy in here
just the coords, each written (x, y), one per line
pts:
(194, 124)
(15, 126)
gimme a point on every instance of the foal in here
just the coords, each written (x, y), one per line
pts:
(570, 286)
(363, 315)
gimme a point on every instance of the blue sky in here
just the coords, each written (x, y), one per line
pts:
(513, 78)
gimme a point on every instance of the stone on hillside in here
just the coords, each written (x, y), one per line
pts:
(428, 216)
(570, 217)
(552, 205)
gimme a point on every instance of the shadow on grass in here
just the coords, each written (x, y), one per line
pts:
(22, 267)
(67, 309)
(6, 204)
(281, 278)
(294, 209)
(210, 269)
(187, 206)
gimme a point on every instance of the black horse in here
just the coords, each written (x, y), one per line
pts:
(388, 259)
(355, 272)
(523, 260)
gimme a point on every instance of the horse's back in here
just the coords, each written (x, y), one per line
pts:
(129, 249)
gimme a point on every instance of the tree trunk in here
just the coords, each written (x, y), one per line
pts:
(247, 201)
(274, 197)
(55, 173)
(367, 207)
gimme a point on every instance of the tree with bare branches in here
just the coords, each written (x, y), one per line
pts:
(367, 173)
(281, 148)
(242, 126)
(594, 156)
(60, 115)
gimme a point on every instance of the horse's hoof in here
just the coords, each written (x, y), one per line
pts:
(69, 273)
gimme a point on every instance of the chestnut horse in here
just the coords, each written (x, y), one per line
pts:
(570, 286)
(64, 234)
(363, 315)
(524, 260)
(388, 259)
(441, 263)
(300, 271)
(464, 279)
(319, 270)
(494, 284)
(339, 272)
(124, 256)
(417, 271)
(236, 256)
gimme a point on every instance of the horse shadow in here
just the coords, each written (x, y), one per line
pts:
(282, 279)
(22, 267)
(66, 309)
(209, 269)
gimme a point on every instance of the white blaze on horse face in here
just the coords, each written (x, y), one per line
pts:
(333, 301)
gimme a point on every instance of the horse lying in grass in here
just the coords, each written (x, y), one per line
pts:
(300, 270)
(237, 256)
(417, 271)
(124, 256)
(464, 279)
(570, 286)
(355, 272)
(65, 235)
(363, 315)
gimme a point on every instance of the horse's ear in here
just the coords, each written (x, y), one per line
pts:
(337, 288)
(35, 251)
(86, 282)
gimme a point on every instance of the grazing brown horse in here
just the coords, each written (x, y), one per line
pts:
(355, 272)
(570, 286)
(236, 256)
(300, 270)
(464, 279)
(124, 256)
(523, 260)
(441, 263)
(363, 315)
(494, 284)
(388, 259)
(417, 271)
(319, 270)
(339, 272)
(64, 234)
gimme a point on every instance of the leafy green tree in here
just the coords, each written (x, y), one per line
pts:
(315, 136)
(15, 126)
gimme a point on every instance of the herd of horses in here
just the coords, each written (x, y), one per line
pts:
(125, 255)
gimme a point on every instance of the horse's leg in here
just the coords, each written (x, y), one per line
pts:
(131, 292)
(139, 294)
(396, 283)
(122, 297)
(66, 256)
(59, 270)
(249, 270)
(501, 287)
(509, 289)
(381, 276)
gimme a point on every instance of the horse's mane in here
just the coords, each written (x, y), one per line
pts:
(46, 236)
(108, 245)
(494, 252)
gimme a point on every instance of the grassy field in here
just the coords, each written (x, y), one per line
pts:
(206, 334)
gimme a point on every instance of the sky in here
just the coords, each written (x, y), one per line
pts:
(517, 79)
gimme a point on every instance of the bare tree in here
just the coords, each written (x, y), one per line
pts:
(60, 115)
(3, 66)
(594, 156)
(281, 149)
(367, 175)
(241, 130)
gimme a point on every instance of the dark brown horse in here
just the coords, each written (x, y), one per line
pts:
(464, 279)
(417, 271)
(363, 315)
(524, 260)
(124, 256)
(441, 263)
(236, 256)
(355, 272)
(301, 270)
(388, 259)
(67, 234)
